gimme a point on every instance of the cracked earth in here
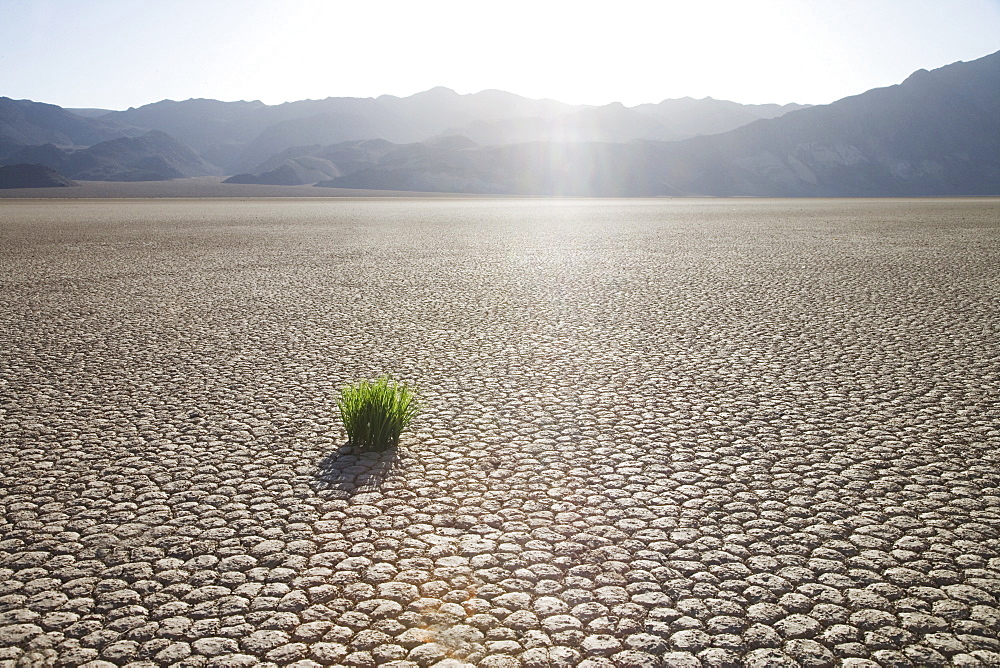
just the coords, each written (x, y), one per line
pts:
(654, 433)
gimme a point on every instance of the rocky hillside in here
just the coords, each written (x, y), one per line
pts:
(23, 122)
(936, 133)
(31, 176)
(155, 156)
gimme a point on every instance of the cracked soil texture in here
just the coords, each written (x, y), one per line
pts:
(654, 433)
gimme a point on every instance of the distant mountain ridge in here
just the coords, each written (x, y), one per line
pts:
(31, 176)
(936, 133)
(23, 122)
(155, 156)
(237, 136)
(242, 136)
(670, 120)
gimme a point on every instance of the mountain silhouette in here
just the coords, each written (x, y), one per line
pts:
(936, 133)
(285, 175)
(31, 176)
(23, 122)
(155, 156)
(238, 136)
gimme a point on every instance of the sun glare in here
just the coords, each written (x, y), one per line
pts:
(632, 52)
(749, 52)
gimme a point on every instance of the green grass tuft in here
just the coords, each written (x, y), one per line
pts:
(375, 413)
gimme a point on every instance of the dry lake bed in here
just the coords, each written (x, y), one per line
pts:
(654, 433)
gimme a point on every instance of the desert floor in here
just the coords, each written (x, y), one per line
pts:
(655, 433)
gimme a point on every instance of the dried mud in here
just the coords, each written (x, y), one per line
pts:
(655, 433)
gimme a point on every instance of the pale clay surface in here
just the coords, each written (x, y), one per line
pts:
(656, 433)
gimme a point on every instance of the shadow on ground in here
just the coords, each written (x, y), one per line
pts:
(349, 470)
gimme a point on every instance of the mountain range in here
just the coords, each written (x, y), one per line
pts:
(152, 156)
(936, 133)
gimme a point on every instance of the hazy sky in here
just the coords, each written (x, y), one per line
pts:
(120, 53)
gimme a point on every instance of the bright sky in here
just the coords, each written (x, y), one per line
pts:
(118, 53)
